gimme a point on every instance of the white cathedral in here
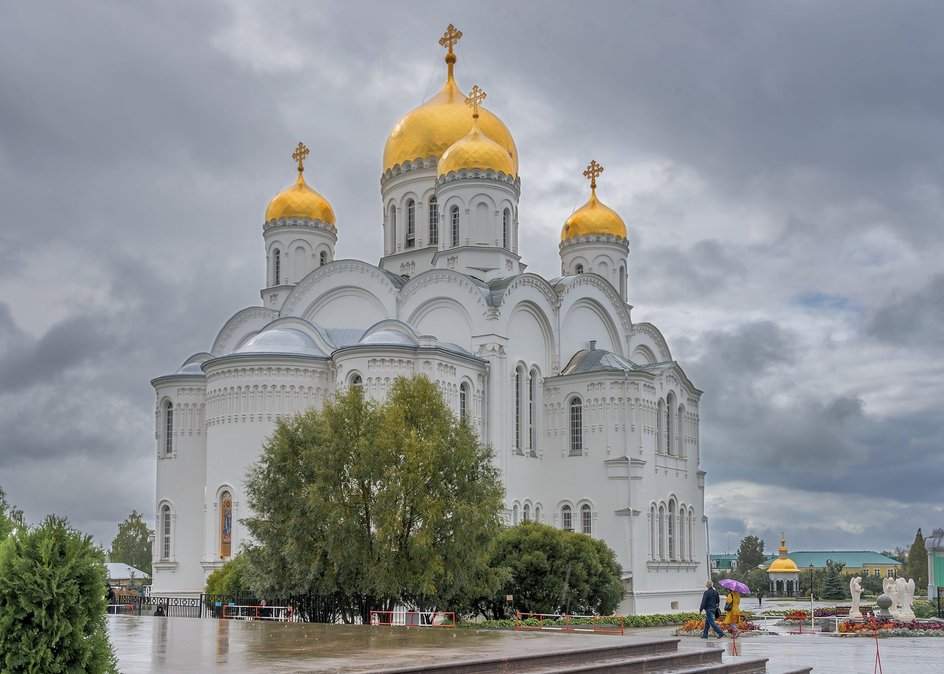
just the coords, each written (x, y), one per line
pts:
(593, 426)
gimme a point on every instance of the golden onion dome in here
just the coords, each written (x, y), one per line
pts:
(783, 565)
(476, 150)
(430, 129)
(594, 217)
(299, 200)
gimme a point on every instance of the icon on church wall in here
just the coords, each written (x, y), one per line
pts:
(226, 526)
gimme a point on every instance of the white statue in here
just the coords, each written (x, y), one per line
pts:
(855, 589)
(905, 590)
(889, 588)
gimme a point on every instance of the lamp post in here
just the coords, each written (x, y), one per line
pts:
(811, 595)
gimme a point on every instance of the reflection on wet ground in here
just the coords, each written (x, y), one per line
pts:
(148, 644)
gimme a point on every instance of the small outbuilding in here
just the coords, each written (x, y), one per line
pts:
(783, 573)
(123, 575)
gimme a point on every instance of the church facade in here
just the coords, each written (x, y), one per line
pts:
(593, 426)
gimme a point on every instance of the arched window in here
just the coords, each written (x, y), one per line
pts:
(622, 282)
(514, 514)
(168, 427)
(356, 380)
(653, 531)
(519, 395)
(586, 519)
(691, 532)
(226, 525)
(576, 426)
(433, 220)
(323, 260)
(567, 518)
(276, 266)
(393, 229)
(537, 514)
(680, 431)
(506, 229)
(670, 424)
(463, 401)
(661, 532)
(454, 220)
(166, 533)
(671, 527)
(579, 269)
(660, 427)
(410, 223)
(683, 534)
(532, 412)
(527, 513)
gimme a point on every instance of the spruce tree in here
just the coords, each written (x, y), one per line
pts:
(52, 602)
(833, 586)
(917, 565)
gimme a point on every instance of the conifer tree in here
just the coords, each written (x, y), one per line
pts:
(917, 565)
(833, 586)
(52, 602)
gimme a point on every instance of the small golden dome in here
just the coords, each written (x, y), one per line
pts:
(594, 217)
(299, 200)
(476, 150)
(783, 565)
(430, 129)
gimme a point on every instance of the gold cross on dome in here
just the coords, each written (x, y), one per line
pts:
(474, 99)
(593, 172)
(450, 38)
(299, 155)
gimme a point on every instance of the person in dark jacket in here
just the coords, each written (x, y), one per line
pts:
(710, 601)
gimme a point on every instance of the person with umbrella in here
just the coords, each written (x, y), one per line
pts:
(709, 604)
(732, 609)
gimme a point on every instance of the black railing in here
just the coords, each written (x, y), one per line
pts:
(176, 607)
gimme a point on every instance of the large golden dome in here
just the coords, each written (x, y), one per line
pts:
(594, 217)
(429, 130)
(299, 200)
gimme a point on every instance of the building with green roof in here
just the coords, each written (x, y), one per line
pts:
(856, 562)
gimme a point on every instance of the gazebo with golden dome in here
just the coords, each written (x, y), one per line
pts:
(783, 573)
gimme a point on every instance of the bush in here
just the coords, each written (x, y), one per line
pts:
(52, 602)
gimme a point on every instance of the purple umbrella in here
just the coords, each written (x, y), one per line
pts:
(735, 585)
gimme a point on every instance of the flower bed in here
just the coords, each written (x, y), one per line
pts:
(891, 628)
(696, 627)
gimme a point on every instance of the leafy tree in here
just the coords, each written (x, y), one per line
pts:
(917, 565)
(835, 585)
(756, 579)
(6, 523)
(132, 544)
(374, 503)
(750, 553)
(232, 578)
(52, 602)
(553, 571)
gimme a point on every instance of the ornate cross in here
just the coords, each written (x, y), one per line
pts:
(450, 38)
(474, 99)
(593, 171)
(299, 155)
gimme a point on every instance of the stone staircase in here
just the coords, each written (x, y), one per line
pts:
(643, 655)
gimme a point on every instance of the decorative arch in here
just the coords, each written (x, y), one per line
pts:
(574, 326)
(241, 326)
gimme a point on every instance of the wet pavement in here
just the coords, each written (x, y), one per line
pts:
(146, 644)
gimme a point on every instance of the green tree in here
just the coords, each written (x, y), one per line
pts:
(374, 503)
(52, 602)
(553, 571)
(232, 578)
(132, 544)
(750, 553)
(917, 565)
(835, 585)
(756, 579)
(6, 523)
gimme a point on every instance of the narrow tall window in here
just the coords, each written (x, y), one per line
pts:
(393, 229)
(670, 424)
(506, 229)
(324, 258)
(661, 532)
(683, 533)
(454, 215)
(586, 519)
(514, 515)
(463, 402)
(519, 375)
(622, 282)
(226, 525)
(660, 427)
(532, 419)
(168, 427)
(576, 426)
(276, 266)
(527, 513)
(410, 223)
(567, 518)
(537, 514)
(433, 220)
(671, 527)
(165, 532)
(653, 532)
(691, 532)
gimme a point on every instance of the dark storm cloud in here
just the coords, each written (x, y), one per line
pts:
(911, 318)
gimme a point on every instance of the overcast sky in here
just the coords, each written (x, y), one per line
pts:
(779, 166)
